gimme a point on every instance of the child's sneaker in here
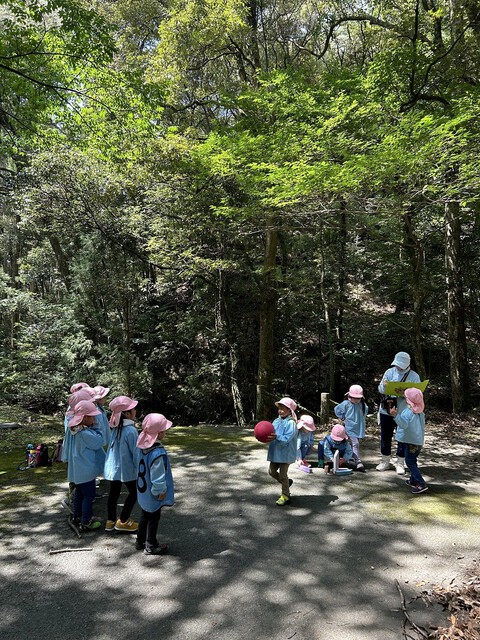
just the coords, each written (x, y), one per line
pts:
(110, 525)
(91, 525)
(411, 483)
(160, 550)
(283, 500)
(360, 467)
(130, 526)
(419, 489)
(139, 546)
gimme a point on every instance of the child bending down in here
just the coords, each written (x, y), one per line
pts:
(337, 440)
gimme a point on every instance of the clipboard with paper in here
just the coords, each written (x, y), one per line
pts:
(391, 387)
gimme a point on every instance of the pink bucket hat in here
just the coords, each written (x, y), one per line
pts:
(152, 425)
(338, 432)
(85, 393)
(414, 398)
(290, 404)
(77, 386)
(306, 422)
(100, 392)
(117, 406)
(82, 409)
(355, 391)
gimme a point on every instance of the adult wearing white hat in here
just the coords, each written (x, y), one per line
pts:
(400, 371)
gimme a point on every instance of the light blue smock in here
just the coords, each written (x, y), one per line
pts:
(353, 416)
(410, 427)
(86, 457)
(154, 479)
(305, 439)
(330, 446)
(284, 447)
(122, 453)
(394, 375)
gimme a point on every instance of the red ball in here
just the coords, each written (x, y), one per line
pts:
(262, 430)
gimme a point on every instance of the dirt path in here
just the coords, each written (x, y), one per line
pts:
(241, 568)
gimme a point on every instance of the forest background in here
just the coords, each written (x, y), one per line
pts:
(209, 205)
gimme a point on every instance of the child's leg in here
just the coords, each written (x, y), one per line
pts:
(88, 496)
(356, 449)
(152, 527)
(113, 495)
(129, 501)
(77, 502)
(283, 477)
(387, 427)
(142, 529)
(273, 471)
(412, 451)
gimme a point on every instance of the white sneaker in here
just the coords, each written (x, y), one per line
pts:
(383, 466)
(400, 469)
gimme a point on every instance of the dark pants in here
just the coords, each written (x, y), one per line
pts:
(387, 427)
(147, 528)
(83, 501)
(412, 451)
(113, 496)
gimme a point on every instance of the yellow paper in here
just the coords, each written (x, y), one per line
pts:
(391, 387)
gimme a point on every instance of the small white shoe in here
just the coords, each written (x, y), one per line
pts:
(383, 466)
(400, 466)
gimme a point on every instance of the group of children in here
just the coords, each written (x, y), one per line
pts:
(293, 439)
(96, 446)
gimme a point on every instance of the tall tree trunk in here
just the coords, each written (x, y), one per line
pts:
(224, 325)
(457, 339)
(341, 303)
(416, 255)
(268, 308)
(326, 316)
(127, 333)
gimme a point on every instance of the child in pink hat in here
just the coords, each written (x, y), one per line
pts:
(84, 465)
(121, 464)
(154, 483)
(337, 440)
(411, 432)
(282, 449)
(353, 410)
(305, 442)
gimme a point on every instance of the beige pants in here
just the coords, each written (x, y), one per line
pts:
(279, 471)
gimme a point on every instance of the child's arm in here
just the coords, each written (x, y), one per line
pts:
(159, 478)
(283, 436)
(92, 439)
(327, 451)
(340, 410)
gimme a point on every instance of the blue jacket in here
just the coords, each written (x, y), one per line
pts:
(284, 447)
(121, 462)
(154, 479)
(353, 416)
(394, 375)
(307, 439)
(330, 446)
(410, 427)
(86, 456)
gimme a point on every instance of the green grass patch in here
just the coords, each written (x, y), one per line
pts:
(18, 487)
(444, 506)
